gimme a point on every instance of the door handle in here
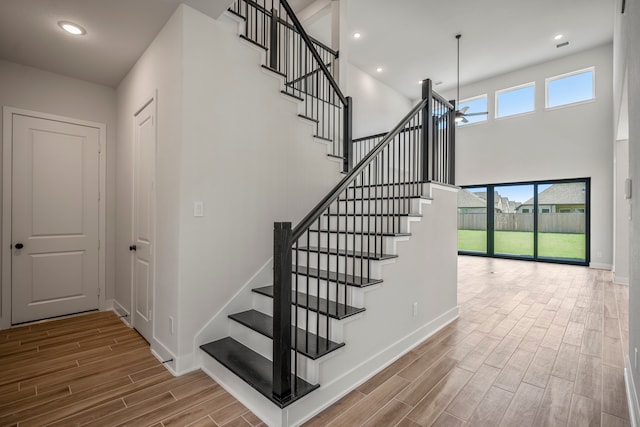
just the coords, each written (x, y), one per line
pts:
(18, 246)
(133, 248)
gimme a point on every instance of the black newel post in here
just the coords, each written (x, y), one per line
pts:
(347, 137)
(452, 144)
(427, 130)
(282, 310)
(273, 42)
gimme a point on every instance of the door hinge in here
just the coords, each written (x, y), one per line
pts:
(99, 148)
(99, 195)
(98, 292)
(98, 244)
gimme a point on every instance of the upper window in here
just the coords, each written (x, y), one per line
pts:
(571, 88)
(515, 100)
(477, 104)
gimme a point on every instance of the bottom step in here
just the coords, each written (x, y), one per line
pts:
(254, 369)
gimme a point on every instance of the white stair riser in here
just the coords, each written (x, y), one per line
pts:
(359, 242)
(307, 368)
(408, 189)
(315, 287)
(376, 206)
(355, 266)
(265, 304)
(380, 224)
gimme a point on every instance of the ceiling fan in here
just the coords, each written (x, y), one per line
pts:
(461, 115)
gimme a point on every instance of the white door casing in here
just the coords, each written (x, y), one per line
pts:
(143, 271)
(53, 179)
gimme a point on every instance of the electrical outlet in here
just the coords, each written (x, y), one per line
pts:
(171, 325)
(415, 308)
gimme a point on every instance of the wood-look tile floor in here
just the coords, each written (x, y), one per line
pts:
(535, 345)
(94, 370)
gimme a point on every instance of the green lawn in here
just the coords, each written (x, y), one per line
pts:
(550, 245)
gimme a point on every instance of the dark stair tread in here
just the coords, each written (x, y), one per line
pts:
(337, 311)
(349, 253)
(233, 12)
(253, 42)
(344, 279)
(357, 233)
(292, 95)
(379, 214)
(311, 119)
(322, 138)
(308, 344)
(334, 156)
(387, 184)
(273, 70)
(312, 95)
(374, 198)
(254, 369)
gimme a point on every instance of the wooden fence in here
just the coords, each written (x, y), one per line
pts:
(571, 223)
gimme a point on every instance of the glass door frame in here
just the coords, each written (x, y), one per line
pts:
(490, 252)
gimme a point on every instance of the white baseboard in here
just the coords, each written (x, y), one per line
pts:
(333, 391)
(600, 266)
(632, 397)
(122, 312)
(620, 280)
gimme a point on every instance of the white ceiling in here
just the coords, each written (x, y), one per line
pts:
(410, 39)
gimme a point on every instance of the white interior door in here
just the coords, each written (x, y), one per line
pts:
(144, 220)
(55, 218)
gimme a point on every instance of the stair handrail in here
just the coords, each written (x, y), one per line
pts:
(315, 213)
(347, 102)
(314, 52)
(426, 118)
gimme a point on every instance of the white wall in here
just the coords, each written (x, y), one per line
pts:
(228, 138)
(622, 212)
(159, 70)
(377, 107)
(37, 90)
(248, 157)
(627, 60)
(425, 273)
(570, 142)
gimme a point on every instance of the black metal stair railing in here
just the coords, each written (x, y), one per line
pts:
(443, 158)
(308, 67)
(334, 246)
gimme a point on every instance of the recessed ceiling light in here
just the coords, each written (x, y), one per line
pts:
(558, 36)
(357, 35)
(420, 82)
(72, 28)
(379, 69)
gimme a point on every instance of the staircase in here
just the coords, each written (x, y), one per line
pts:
(323, 266)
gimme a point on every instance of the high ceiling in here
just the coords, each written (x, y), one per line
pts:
(415, 39)
(409, 39)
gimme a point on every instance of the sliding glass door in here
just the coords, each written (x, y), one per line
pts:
(562, 221)
(540, 220)
(512, 228)
(472, 220)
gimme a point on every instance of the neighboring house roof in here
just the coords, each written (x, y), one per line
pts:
(572, 193)
(467, 199)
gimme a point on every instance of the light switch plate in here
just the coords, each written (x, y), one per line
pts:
(198, 209)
